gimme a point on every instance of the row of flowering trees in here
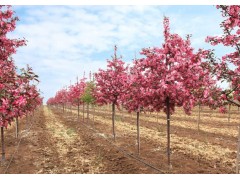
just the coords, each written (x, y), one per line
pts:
(171, 75)
(70, 95)
(18, 94)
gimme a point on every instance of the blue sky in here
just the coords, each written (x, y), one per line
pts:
(65, 41)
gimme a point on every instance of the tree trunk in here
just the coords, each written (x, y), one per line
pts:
(88, 111)
(78, 109)
(168, 129)
(238, 152)
(113, 120)
(198, 121)
(138, 133)
(3, 147)
(83, 112)
(26, 125)
(93, 114)
(122, 114)
(17, 127)
(229, 113)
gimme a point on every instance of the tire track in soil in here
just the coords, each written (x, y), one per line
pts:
(114, 162)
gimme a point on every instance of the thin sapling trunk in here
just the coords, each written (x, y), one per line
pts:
(88, 111)
(78, 109)
(238, 152)
(17, 127)
(93, 114)
(168, 130)
(113, 120)
(198, 121)
(3, 147)
(138, 133)
(83, 111)
(229, 112)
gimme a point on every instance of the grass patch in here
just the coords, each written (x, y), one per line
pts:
(118, 118)
(70, 131)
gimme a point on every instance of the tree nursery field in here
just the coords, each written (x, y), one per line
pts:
(53, 141)
(173, 109)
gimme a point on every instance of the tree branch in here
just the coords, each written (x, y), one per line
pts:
(233, 102)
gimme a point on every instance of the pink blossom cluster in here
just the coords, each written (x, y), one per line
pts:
(231, 38)
(17, 95)
(110, 83)
(172, 71)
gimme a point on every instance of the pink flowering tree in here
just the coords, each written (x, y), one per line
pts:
(110, 84)
(25, 95)
(72, 95)
(230, 38)
(135, 99)
(13, 97)
(7, 69)
(77, 91)
(61, 98)
(172, 73)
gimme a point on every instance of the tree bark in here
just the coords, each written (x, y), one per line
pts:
(198, 121)
(113, 120)
(3, 147)
(238, 152)
(122, 113)
(229, 113)
(138, 133)
(26, 125)
(83, 111)
(78, 109)
(168, 130)
(93, 114)
(17, 127)
(88, 111)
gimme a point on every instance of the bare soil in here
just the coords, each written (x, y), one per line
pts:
(58, 143)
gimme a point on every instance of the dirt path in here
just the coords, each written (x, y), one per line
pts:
(20, 156)
(50, 147)
(58, 144)
(111, 159)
